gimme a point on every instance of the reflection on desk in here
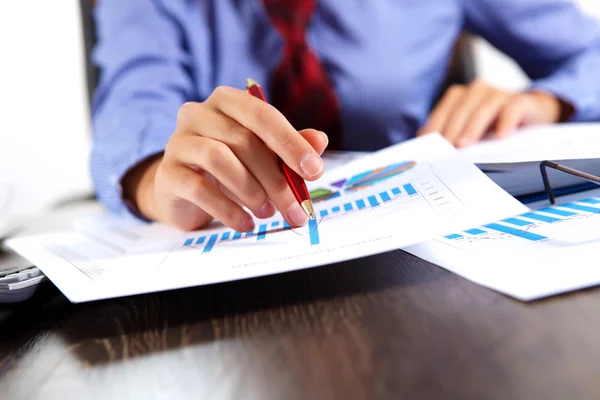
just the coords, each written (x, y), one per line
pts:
(384, 327)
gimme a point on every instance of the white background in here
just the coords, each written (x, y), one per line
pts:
(44, 128)
(44, 120)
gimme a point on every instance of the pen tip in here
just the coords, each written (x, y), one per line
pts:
(250, 82)
(307, 206)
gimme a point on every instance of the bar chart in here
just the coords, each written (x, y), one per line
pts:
(208, 242)
(529, 227)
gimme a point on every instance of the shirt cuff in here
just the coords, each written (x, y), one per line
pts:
(112, 169)
(567, 89)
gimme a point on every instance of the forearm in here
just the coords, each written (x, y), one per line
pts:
(138, 187)
(144, 81)
(553, 41)
(577, 83)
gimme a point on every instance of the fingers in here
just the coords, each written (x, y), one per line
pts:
(261, 163)
(243, 165)
(466, 114)
(271, 127)
(511, 116)
(232, 137)
(443, 110)
(216, 158)
(195, 188)
(317, 139)
(464, 111)
(482, 119)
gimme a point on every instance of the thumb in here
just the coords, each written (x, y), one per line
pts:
(317, 139)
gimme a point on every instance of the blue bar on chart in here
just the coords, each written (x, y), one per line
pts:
(286, 225)
(373, 201)
(384, 196)
(475, 231)
(249, 234)
(410, 189)
(517, 222)
(189, 242)
(396, 191)
(336, 209)
(556, 211)
(516, 232)
(590, 201)
(225, 235)
(348, 207)
(262, 232)
(453, 236)
(324, 213)
(201, 240)
(540, 217)
(314, 231)
(274, 224)
(211, 242)
(360, 204)
(581, 208)
(237, 235)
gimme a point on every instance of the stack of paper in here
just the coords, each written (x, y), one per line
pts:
(513, 163)
(550, 250)
(402, 195)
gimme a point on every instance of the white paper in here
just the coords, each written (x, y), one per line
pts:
(429, 191)
(555, 250)
(574, 141)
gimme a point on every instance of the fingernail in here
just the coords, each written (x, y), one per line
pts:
(248, 224)
(326, 138)
(296, 215)
(311, 165)
(267, 210)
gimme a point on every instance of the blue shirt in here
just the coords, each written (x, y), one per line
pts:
(386, 58)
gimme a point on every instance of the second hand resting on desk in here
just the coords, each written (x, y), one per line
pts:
(294, 180)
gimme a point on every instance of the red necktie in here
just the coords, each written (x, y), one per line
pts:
(300, 87)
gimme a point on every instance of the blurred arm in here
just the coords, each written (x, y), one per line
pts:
(552, 40)
(144, 81)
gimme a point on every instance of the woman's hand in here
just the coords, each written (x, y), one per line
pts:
(465, 114)
(219, 159)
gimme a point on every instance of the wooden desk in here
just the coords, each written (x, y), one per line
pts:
(384, 327)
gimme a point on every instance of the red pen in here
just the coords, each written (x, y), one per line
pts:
(294, 180)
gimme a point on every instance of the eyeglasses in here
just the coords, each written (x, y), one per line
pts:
(549, 164)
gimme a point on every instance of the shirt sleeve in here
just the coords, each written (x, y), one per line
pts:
(144, 80)
(555, 43)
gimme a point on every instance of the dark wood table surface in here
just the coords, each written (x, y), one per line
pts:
(384, 327)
